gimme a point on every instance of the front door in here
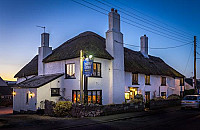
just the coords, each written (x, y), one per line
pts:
(147, 99)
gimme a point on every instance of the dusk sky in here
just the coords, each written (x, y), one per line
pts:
(64, 19)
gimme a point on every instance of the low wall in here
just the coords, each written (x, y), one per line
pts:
(164, 103)
(95, 110)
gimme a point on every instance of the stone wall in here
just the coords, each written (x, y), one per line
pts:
(80, 111)
(164, 103)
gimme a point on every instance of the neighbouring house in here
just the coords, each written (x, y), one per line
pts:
(6, 97)
(189, 83)
(119, 73)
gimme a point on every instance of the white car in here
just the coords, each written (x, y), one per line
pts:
(190, 101)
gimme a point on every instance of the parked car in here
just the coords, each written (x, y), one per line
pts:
(190, 101)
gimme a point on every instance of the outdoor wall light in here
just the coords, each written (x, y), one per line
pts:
(13, 93)
(31, 94)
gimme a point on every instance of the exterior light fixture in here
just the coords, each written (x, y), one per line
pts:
(13, 93)
(90, 56)
(31, 94)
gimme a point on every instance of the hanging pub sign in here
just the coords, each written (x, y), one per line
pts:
(87, 67)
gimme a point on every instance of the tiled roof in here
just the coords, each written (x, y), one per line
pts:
(38, 81)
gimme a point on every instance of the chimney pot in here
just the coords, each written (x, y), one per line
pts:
(112, 9)
(115, 11)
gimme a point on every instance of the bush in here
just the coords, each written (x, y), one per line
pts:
(157, 99)
(136, 101)
(174, 96)
(139, 96)
(62, 108)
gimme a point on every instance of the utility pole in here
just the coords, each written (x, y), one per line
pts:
(195, 77)
(81, 76)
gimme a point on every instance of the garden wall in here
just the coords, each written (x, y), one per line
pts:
(164, 103)
(95, 110)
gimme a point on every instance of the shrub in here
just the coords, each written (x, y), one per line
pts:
(136, 101)
(62, 108)
(139, 96)
(157, 99)
(173, 96)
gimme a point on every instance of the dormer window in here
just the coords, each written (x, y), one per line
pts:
(70, 71)
(134, 79)
(147, 79)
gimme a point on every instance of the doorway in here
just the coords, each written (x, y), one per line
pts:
(147, 99)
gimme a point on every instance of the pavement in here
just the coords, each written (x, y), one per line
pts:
(172, 118)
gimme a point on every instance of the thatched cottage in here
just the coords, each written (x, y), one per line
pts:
(119, 73)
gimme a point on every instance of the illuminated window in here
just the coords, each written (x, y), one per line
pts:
(163, 95)
(163, 81)
(182, 82)
(127, 95)
(55, 92)
(70, 71)
(147, 79)
(94, 96)
(134, 79)
(96, 69)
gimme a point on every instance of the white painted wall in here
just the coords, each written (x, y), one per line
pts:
(172, 85)
(44, 92)
(19, 100)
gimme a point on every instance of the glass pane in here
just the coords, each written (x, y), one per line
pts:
(94, 97)
(73, 72)
(89, 97)
(94, 69)
(68, 69)
(98, 97)
(99, 69)
(78, 96)
(74, 96)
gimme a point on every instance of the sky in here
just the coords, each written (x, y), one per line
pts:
(165, 22)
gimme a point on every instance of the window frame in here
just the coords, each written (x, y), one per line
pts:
(67, 76)
(55, 95)
(135, 82)
(91, 91)
(147, 82)
(97, 76)
(162, 81)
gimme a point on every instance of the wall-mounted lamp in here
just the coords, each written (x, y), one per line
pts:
(31, 94)
(13, 93)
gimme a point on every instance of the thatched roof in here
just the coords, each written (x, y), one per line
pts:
(29, 69)
(38, 81)
(94, 44)
(89, 42)
(135, 62)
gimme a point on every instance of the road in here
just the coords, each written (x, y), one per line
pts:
(169, 119)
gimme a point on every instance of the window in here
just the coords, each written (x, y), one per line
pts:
(134, 79)
(94, 96)
(70, 71)
(55, 92)
(26, 98)
(182, 82)
(147, 79)
(163, 81)
(127, 95)
(163, 95)
(96, 69)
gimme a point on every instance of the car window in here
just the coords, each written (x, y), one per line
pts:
(190, 98)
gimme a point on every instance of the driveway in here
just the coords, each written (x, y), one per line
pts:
(5, 110)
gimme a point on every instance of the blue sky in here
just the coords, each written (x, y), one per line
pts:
(64, 19)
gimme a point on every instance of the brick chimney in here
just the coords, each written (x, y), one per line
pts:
(144, 46)
(43, 52)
